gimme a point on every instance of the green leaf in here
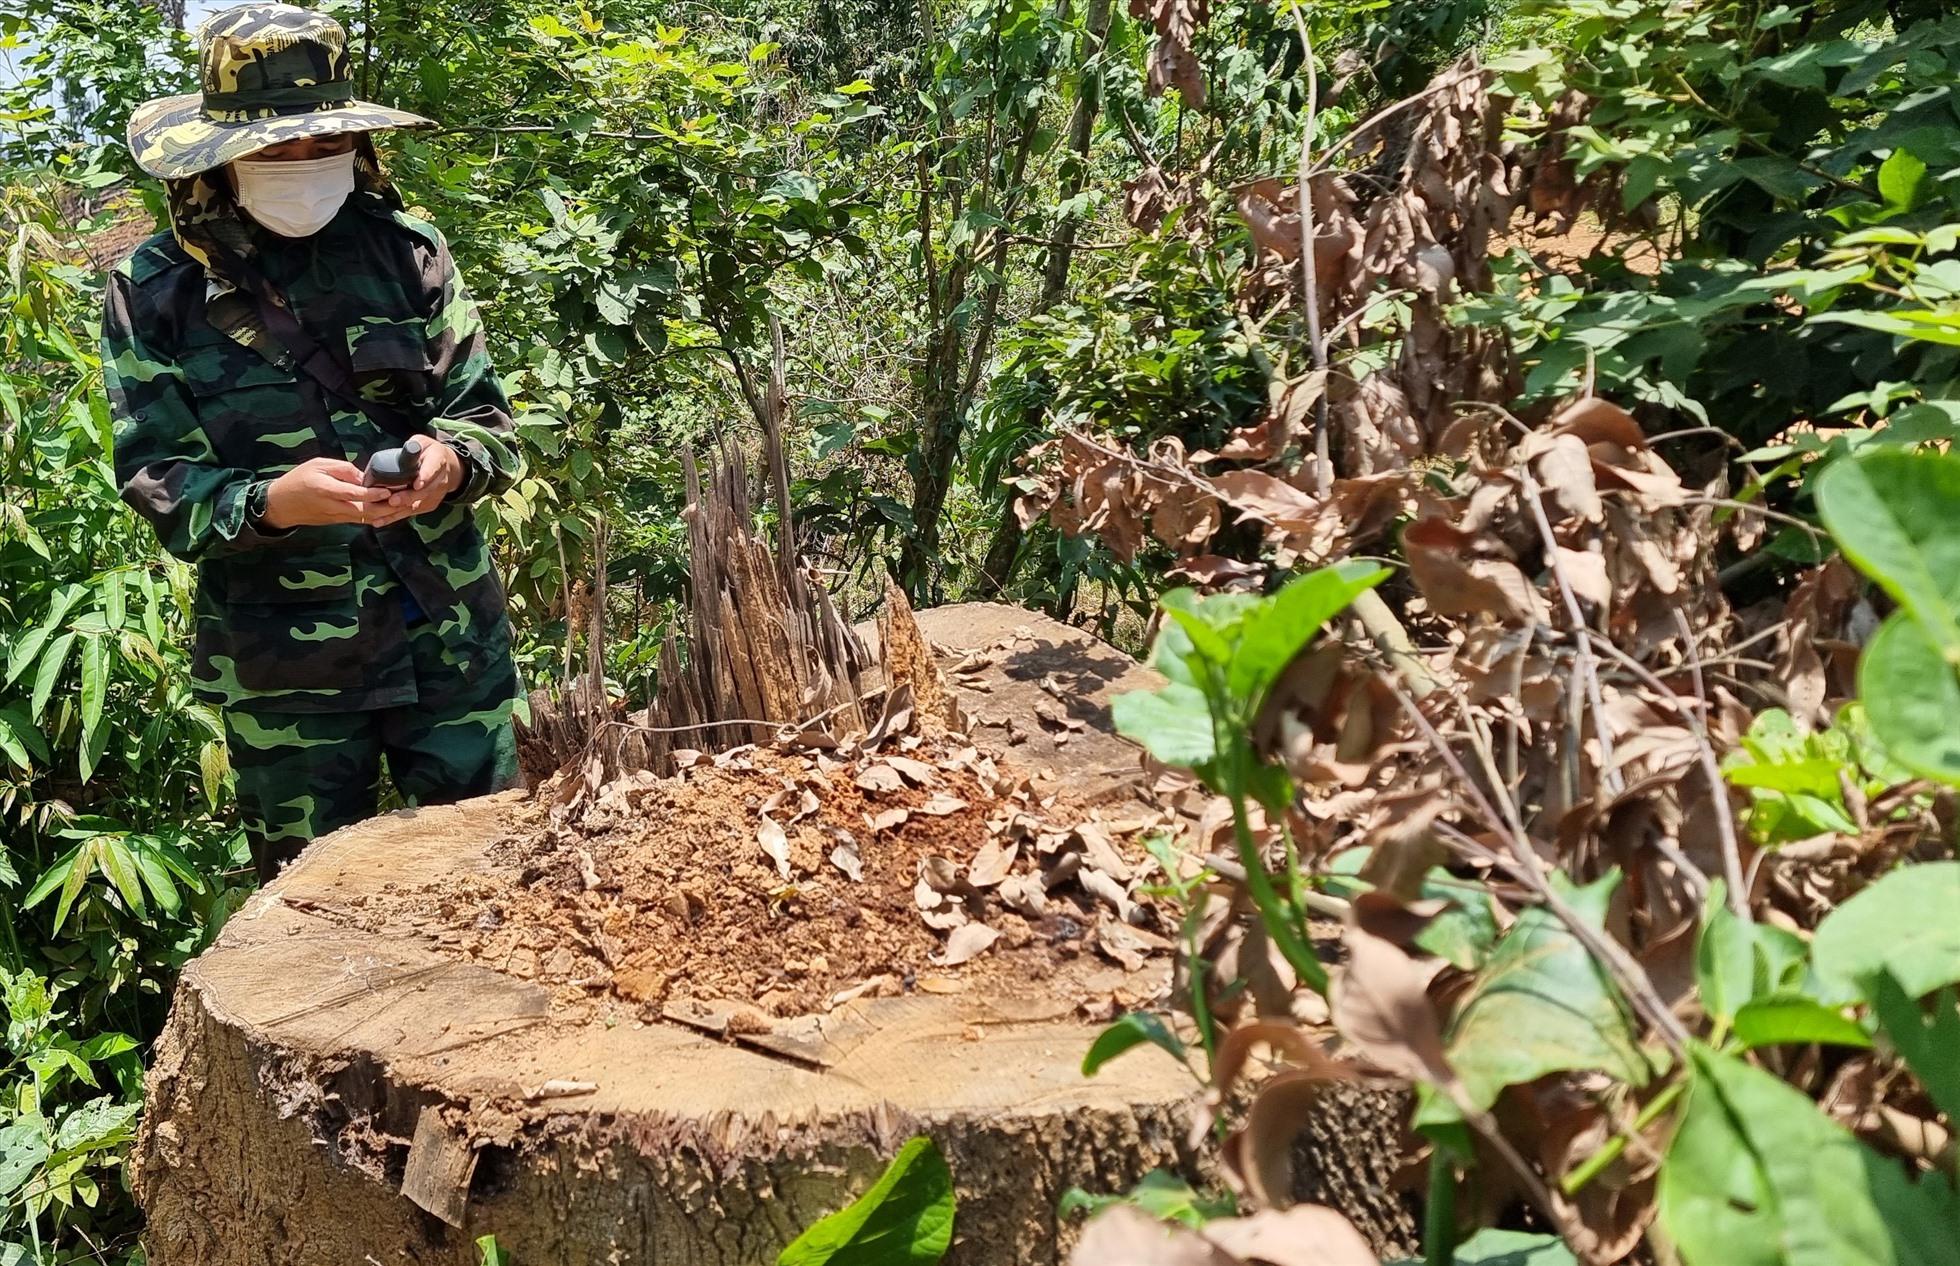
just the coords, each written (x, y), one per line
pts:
(1756, 1175)
(1894, 514)
(1173, 723)
(29, 648)
(53, 660)
(488, 1253)
(1913, 697)
(13, 728)
(1904, 924)
(906, 1219)
(1542, 1005)
(113, 856)
(23, 1146)
(1737, 961)
(1274, 631)
(1928, 1041)
(1794, 1020)
(1901, 178)
(95, 690)
(1126, 1033)
(1161, 1194)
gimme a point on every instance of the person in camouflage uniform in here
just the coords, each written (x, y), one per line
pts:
(337, 625)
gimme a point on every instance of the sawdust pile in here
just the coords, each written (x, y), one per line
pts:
(778, 882)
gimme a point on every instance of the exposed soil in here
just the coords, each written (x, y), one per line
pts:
(663, 890)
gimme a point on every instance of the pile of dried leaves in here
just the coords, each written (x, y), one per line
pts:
(1509, 766)
(791, 879)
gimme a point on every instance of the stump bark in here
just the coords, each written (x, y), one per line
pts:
(311, 1071)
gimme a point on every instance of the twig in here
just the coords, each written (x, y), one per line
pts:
(1316, 344)
(1589, 667)
(1318, 902)
(1712, 769)
(1524, 865)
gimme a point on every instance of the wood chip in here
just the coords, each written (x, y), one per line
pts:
(440, 1166)
(940, 984)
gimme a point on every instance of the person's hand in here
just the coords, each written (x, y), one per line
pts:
(438, 472)
(320, 491)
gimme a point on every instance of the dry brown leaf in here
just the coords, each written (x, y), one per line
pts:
(916, 772)
(967, 942)
(1457, 579)
(1123, 1235)
(991, 864)
(1101, 852)
(1304, 1235)
(1586, 571)
(775, 842)
(880, 777)
(888, 820)
(941, 804)
(1025, 895)
(1381, 1001)
(845, 858)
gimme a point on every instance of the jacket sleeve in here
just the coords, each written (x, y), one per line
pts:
(166, 466)
(472, 412)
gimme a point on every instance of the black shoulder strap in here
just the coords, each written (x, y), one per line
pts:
(334, 373)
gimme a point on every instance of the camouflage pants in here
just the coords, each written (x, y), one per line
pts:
(302, 774)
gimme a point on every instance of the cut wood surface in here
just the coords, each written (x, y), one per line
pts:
(304, 1056)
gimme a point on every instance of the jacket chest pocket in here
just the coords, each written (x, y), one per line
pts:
(256, 415)
(391, 362)
(284, 621)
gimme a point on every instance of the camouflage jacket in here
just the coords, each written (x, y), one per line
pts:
(309, 619)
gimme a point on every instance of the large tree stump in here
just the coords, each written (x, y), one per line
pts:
(310, 1071)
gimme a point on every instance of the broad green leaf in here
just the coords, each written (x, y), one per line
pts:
(1757, 1175)
(23, 1146)
(99, 1123)
(1737, 961)
(1913, 697)
(155, 875)
(53, 660)
(1904, 924)
(1275, 630)
(488, 1253)
(1900, 179)
(1928, 1040)
(1794, 1020)
(1893, 513)
(1161, 1194)
(1542, 1005)
(214, 763)
(906, 1219)
(1173, 723)
(1127, 1032)
(71, 882)
(95, 690)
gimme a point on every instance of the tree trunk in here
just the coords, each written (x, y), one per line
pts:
(1004, 552)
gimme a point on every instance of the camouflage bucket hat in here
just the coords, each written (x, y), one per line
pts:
(271, 73)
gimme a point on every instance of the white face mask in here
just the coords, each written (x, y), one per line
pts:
(294, 198)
